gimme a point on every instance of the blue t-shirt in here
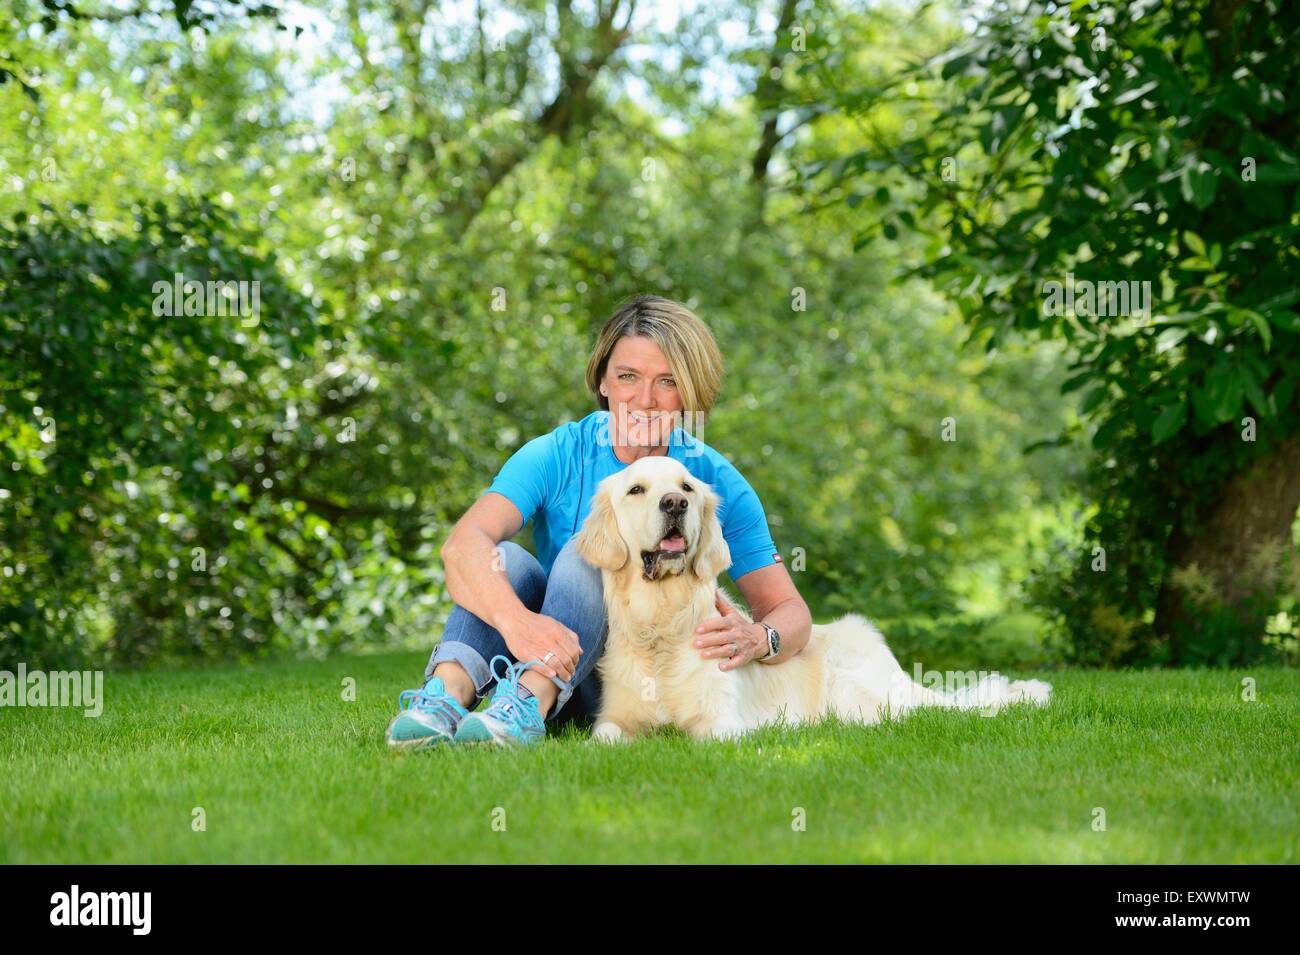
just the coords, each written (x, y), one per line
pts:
(553, 478)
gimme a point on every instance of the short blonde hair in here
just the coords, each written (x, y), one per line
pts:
(685, 340)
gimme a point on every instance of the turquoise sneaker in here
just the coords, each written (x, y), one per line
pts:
(510, 720)
(430, 715)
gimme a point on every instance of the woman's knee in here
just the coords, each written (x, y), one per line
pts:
(525, 574)
(575, 596)
(573, 566)
(576, 579)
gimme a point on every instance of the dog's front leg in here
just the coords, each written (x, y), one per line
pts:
(609, 732)
(719, 730)
(720, 719)
(622, 715)
(724, 726)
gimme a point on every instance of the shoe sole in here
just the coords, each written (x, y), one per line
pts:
(473, 731)
(419, 742)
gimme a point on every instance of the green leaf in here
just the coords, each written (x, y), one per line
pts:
(1254, 393)
(1220, 398)
(1261, 326)
(1106, 434)
(1273, 172)
(1170, 338)
(1282, 395)
(1284, 300)
(1129, 95)
(1288, 321)
(1198, 183)
(1094, 398)
(1230, 407)
(1078, 381)
(1169, 422)
(956, 65)
(1057, 442)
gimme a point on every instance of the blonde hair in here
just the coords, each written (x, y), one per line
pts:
(685, 340)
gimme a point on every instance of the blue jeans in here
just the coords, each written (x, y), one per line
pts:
(573, 595)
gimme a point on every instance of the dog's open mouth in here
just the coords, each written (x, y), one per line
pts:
(671, 547)
(674, 543)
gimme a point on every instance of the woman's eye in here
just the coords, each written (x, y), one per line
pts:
(626, 376)
(636, 489)
(670, 383)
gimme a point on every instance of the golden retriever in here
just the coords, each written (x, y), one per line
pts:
(654, 533)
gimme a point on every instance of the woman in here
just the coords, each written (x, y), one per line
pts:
(535, 626)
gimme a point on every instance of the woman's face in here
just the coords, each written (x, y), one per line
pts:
(644, 402)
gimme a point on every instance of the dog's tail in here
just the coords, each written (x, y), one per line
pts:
(989, 692)
(855, 645)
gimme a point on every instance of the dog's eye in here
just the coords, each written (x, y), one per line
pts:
(636, 489)
(687, 488)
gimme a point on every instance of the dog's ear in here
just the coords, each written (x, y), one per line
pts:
(712, 555)
(599, 542)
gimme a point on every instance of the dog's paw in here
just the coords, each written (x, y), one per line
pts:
(723, 731)
(607, 733)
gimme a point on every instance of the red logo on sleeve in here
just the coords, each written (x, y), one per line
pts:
(777, 557)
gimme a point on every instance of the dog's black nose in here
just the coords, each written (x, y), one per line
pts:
(673, 503)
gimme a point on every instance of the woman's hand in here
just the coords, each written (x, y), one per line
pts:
(719, 636)
(532, 636)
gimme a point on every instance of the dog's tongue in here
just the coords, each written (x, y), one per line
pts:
(673, 543)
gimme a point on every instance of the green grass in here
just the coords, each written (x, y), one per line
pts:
(287, 771)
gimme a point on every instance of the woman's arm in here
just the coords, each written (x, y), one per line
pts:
(774, 600)
(478, 582)
(469, 551)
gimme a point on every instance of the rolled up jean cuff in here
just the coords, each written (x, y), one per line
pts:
(566, 691)
(478, 670)
(470, 659)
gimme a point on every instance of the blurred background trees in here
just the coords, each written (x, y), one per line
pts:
(1108, 144)
(442, 205)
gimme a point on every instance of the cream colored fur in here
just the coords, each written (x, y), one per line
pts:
(651, 675)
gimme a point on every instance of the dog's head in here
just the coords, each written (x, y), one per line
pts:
(654, 512)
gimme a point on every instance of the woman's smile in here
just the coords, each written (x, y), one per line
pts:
(647, 429)
(642, 393)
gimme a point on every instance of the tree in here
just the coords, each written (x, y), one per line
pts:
(451, 308)
(1075, 152)
(125, 400)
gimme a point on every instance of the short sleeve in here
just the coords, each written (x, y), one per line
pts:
(744, 527)
(531, 475)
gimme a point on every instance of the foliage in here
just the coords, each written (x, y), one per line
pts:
(1098, 144)
(452, 229)
(120, 430)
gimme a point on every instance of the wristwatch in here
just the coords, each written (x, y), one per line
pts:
(773, 641)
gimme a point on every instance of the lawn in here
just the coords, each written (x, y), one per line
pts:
(285, 769)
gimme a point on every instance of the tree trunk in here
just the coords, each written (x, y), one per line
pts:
(1256, 507)
(767, 97)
